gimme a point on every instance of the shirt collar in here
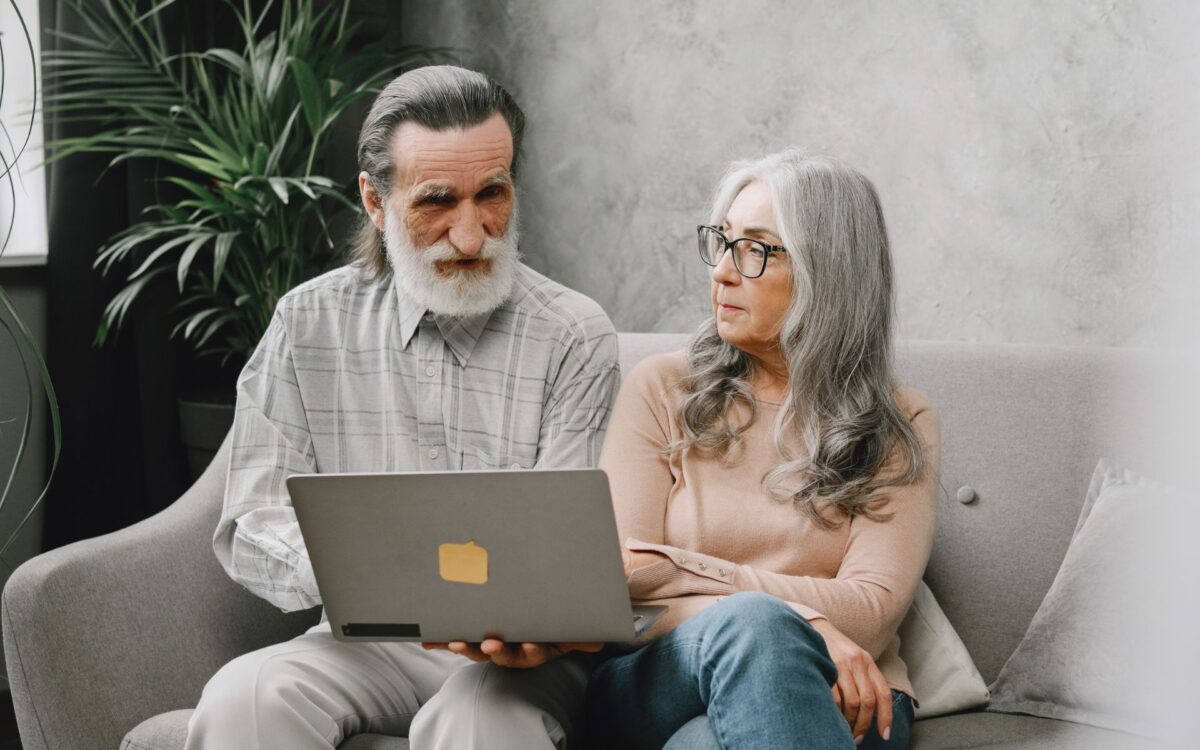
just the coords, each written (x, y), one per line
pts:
(460, 334)
(410, 314)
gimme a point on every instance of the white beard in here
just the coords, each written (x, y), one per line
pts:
(463, 294)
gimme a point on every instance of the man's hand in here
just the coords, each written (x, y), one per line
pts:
(514, 655)
(860, 691)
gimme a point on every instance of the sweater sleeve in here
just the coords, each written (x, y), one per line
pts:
(634, 455)
(874, 585)
(883, 564)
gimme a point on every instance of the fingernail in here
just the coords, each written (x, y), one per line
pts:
(858, 740)
(887, 734)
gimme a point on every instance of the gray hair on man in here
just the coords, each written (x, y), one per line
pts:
(836, 339)
(438, 97)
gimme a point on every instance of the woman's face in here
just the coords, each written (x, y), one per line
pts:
(750, 312)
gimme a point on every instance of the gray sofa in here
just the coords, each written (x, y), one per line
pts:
(121, 632)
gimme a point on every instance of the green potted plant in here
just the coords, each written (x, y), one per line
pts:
(240, 131)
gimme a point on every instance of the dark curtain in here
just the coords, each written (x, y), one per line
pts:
(122, 457)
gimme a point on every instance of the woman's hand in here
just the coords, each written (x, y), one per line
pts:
(860, 691)
(514, 655)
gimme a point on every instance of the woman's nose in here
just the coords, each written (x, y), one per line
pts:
(725, 272)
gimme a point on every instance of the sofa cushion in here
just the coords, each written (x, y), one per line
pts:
(990, 730)
(1090, 651)
(168, 731)
(943, 677)
(974, 730)
(1022, 428)
(634, 347)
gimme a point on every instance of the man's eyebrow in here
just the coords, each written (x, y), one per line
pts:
(431, 192)
(504, 179)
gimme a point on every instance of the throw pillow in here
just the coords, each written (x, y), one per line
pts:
(1096, 650)
(939, 667)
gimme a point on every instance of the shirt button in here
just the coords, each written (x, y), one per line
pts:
(514, 467)
(701, 566)
(433, 452)
(722, 572)
(429, 372)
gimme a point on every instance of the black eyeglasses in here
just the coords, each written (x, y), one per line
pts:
(749, 256)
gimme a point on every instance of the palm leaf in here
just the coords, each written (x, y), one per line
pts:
(229, 120)
(118, 307)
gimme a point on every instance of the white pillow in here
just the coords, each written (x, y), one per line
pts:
(1102, 648)
(939, 667)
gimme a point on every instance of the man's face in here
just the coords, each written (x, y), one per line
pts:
(449, 221)
(454, 185)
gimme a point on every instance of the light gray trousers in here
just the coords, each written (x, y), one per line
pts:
(314, 691)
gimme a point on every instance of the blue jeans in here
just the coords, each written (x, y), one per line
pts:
(748, 672)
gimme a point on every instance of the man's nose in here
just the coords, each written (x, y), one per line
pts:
(725, 272)
(467, 233)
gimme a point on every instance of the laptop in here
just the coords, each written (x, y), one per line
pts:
(467, 555)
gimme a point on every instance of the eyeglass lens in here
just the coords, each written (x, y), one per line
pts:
(749, 255)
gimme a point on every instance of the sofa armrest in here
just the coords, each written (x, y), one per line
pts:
(104, 633)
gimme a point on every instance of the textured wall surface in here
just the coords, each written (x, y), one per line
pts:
(1034, 161)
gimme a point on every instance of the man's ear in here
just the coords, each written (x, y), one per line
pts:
(371, 199)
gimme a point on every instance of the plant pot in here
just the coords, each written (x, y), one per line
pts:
(203, 426)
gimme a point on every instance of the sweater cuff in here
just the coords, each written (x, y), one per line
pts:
(808, 613)
(704, 574)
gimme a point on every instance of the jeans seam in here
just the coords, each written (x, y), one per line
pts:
(714, 713)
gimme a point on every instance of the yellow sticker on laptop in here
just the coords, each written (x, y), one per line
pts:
(463, 563)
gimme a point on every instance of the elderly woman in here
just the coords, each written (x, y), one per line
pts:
(773, 485)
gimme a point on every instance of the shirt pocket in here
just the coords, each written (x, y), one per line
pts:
(475, 459)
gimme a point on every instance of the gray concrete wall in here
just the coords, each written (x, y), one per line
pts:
(1031, 157)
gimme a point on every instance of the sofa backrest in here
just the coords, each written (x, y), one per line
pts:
(1022, 430)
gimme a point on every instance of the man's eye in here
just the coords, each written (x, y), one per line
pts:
(437, 200)
(490, 193)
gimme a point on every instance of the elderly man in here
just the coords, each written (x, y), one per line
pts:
(436, 349)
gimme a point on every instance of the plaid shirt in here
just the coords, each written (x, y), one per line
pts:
(354, 377)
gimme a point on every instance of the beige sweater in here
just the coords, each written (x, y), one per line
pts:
(718, 532)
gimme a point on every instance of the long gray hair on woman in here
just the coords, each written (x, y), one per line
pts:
(836, 339)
